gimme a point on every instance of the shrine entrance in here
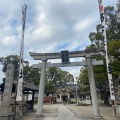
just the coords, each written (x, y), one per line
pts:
(64, 98)
(65, 58)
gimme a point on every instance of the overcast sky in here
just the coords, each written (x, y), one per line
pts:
(51, 26)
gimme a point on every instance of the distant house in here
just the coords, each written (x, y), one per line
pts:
(66, 93)
(85, 97)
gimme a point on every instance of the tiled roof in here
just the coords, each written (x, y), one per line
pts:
(27, 86)
(30, 86)
(71, 87)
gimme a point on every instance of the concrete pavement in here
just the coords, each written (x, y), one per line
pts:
(65, 114)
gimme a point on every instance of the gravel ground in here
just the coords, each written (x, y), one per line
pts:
(87, 111)
(84, 112)
(49, 110)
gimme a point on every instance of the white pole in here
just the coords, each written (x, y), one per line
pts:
(102, 16)
(19, 91)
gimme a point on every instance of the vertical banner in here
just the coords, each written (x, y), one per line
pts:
(20, 71)
(103, 23)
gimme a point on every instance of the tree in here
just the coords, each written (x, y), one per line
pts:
(29, 74)
(114, 51)
(101, 80)
(113, 22)
(55, 76)
(112, 15)
(83, 80)
(66, 78)
(49, 88)
(10, 59)
(113, 36)
(113, 26)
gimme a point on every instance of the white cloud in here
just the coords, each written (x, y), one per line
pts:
(51, 26)
(9, 40)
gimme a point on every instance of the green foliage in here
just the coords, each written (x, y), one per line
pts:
(66, 78)
(113, 35)
(83, 80)
(92, 36)
(113, 22)
(31, 75)
(55, 76)
(49, 88)
(91, 48)
(58, 77)
(10, 59)
(113, 26)
(115, 69)
(112, 15)
(114, 49)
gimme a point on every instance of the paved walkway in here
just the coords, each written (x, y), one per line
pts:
(65, 114)
(62, 112)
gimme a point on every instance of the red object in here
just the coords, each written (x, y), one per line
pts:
(50, 99)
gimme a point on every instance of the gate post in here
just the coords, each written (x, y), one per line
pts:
(96, 110)
(41, 89)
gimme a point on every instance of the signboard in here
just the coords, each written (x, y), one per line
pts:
(65, 57)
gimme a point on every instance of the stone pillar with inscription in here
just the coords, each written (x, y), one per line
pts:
(5, 109)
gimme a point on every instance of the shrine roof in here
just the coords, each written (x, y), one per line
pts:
(71, 87)
(30, 86)
(27, 86)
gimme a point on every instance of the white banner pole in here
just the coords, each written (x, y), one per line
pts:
(20, 72)
(102, 16)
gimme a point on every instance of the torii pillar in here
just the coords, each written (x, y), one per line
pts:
(96, 110)
(41, 89)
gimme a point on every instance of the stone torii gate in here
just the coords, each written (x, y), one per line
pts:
(65, 55)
